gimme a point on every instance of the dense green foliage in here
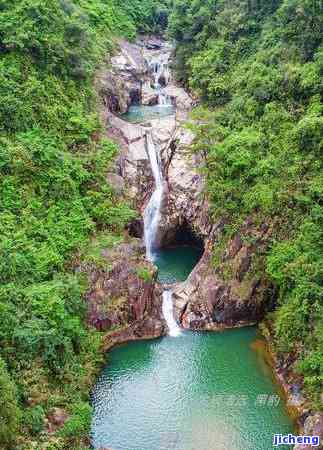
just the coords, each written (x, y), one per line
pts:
(9, 411)
(258, 68)
(53, 197)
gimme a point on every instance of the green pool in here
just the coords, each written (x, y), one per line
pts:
(142, 113)
(197, 391)
(176, 263)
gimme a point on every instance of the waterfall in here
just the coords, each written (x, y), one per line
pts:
(164, 100)
(152, 211)
(168, 312)
(159, 68)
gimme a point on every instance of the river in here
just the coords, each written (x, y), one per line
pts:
(189, 390)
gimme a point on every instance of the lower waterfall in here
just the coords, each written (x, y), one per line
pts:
(168, 312)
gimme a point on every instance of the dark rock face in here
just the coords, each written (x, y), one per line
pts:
(136, 228)
(125, 294)
(209, 301)
(153, 44)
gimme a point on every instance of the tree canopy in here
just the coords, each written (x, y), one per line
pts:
(257, 67)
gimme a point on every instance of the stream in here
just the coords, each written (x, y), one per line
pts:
(188, 390)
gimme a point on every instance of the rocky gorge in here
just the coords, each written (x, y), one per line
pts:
(213, 297)
(185, 211)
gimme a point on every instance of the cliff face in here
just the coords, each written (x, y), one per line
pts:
(123, 297)
(227, 292)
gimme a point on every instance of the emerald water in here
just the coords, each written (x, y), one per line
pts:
(198, 391)
(142, 113)
(175, 264)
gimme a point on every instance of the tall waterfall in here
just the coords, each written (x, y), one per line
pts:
(152, 211)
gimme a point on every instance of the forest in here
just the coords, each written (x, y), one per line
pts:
(256, 67)
(54, 197)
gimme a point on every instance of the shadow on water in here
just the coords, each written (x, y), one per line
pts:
(176, 263)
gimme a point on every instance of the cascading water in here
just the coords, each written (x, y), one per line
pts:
(164, 100)
(152, 211)
(160, 69)
(168, 312)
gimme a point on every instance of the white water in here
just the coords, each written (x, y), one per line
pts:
(168, 312)
(160, 69)
(164, 100)
(152, 212)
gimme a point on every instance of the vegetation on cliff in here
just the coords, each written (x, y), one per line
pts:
(54, 196)
(258, 68)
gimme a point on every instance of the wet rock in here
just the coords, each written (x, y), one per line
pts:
(181, 100)
(136, 228)
(153, 45)
(148, 95)
(148, 329)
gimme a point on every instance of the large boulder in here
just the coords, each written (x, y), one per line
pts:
(56, 418)
(211, 299)
(149, 95)
(123, 292)
(120, 85)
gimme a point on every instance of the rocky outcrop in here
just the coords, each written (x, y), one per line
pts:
(205, 301)
(185, 201)
(148, 95)
(123, 294)
(56, 419)
(120, 85)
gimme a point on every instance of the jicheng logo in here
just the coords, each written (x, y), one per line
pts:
(290, 439)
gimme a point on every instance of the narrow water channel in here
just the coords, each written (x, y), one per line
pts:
(189, 390)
